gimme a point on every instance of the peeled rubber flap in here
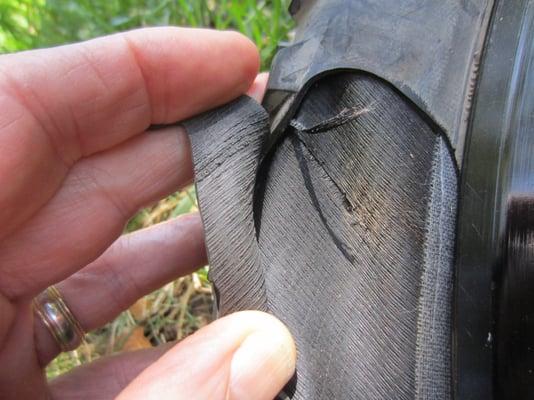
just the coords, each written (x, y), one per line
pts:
(344, 231)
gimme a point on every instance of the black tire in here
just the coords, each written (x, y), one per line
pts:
(338, 211)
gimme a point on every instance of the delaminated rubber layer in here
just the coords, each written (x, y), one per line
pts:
(345, 233)
(226, 146)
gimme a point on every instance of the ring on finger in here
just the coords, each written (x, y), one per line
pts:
(58, 319)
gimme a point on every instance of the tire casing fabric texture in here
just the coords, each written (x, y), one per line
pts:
(343, 229)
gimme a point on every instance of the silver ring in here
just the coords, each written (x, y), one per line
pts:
(58, 318)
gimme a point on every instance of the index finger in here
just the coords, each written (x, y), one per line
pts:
(97, 93)
(61, 104)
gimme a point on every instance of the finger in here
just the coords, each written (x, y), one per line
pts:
(89, 212)
(135, 265)
(106, 377)
(248, 355)
(61, 104)
(258, 87)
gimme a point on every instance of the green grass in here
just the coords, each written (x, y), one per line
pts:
(182, 306)
(27, 24)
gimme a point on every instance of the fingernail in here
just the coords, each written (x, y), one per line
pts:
(262, 365)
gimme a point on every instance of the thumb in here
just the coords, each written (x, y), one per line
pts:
(247, 355)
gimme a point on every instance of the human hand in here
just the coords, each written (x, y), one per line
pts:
(76, 163)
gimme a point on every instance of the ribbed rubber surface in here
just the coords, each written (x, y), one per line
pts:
(354, 217)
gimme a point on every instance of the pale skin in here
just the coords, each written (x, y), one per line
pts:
(76, 162)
